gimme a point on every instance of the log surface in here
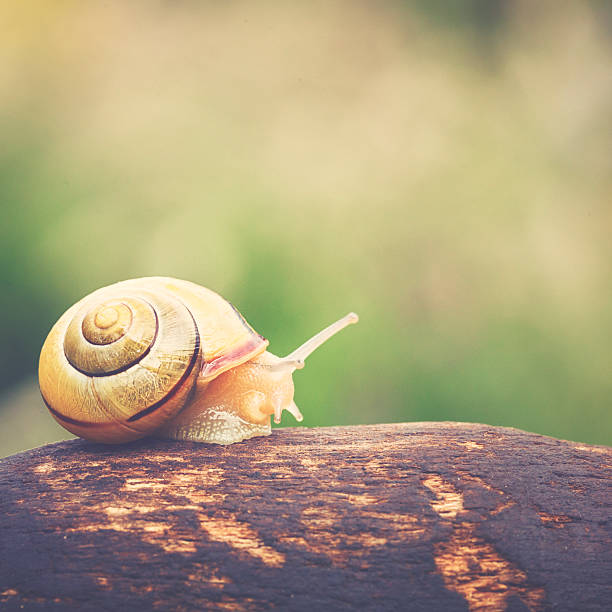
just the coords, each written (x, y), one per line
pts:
(420, 516)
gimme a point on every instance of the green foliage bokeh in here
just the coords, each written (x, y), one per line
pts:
(450, 184)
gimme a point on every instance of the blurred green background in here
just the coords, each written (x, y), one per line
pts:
(442, 168)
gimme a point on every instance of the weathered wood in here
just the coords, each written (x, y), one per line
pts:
(421, 516)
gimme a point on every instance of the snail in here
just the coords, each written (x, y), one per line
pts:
(166, 357)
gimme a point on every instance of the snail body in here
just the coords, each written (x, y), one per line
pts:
(165, 357)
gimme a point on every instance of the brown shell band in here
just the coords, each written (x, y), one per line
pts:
(186, 375)
(63, 417)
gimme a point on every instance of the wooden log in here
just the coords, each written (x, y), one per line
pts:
(419, 516)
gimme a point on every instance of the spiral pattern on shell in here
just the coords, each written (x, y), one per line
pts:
(125, 359)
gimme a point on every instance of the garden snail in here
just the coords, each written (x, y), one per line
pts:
(166, 357)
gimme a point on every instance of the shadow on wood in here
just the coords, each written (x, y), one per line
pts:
(420, 516)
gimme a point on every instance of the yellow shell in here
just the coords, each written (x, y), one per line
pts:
(125, 359)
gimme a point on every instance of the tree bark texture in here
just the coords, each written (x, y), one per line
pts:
(418, 516)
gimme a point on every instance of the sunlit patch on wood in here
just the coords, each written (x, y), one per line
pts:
(103, 581)
(448, 502)
(199, 487)
(155, 532)
(244, 604)
(113, 511)
(400, 527)
(474, 569)
(593, 449)
(161, 457)
(241, 537)
(137, 484)
(310, 462)
(361, 499)
(201, 572)
(554, 520)
(469, 445)
(179, 546)
(503, 506)
(43, 468)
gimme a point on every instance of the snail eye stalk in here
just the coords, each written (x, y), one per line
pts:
(295, 361)
(300, 353)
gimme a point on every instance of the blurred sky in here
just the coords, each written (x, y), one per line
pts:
(443, 169)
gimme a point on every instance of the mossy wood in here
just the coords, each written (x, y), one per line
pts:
(421, 516)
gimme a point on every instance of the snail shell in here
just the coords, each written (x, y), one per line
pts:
(166, 357)
(124, 360)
